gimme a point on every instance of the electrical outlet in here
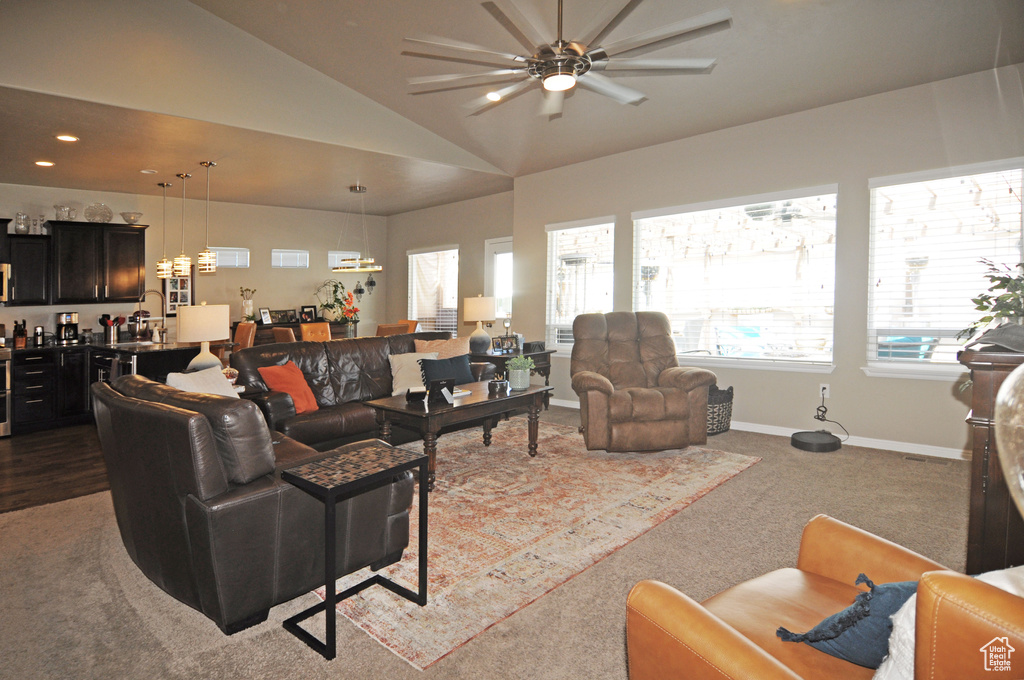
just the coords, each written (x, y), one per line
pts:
(824, 391)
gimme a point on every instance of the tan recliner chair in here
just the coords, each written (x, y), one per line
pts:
(732, 635)
(633, 394)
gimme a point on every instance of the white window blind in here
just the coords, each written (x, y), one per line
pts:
(580, 276)
(498, 275)
(335, 257)
(750, 278)
(231, 258)
(927, 239)
(434, 290)
(289, 259)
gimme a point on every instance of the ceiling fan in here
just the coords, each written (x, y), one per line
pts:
(559, 66)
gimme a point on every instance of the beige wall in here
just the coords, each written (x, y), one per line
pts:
(466, 224)
(964, 120)
(258, 228)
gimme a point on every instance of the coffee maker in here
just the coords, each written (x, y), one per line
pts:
(67, 328)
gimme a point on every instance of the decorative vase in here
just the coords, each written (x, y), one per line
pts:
(247, 309)
(329, 314)
(519, 380)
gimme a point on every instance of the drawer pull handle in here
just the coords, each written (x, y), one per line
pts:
(34, 401)
(34, 387)
(33, 372)
(33, 358)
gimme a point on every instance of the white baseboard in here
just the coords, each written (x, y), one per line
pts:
(866, 442)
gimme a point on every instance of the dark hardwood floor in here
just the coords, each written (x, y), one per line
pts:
(51, 466)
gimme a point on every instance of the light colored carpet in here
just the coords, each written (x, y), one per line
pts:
(73, 605)
(506, 528)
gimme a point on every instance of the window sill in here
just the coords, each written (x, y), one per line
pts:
(704, 360)
(943, 372)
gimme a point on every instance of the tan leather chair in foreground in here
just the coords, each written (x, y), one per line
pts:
(732, 635)
(634, 396)
(317, 331)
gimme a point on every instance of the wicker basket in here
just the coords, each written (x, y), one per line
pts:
(719, 409)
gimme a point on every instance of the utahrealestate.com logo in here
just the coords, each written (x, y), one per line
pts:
(997, 654)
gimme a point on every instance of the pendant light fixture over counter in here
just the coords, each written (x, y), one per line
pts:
(207, 260)
(183, 263)
(359, 264)
(164, 266)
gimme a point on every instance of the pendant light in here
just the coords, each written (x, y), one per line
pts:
(359, 264)
(164, 266)
(183, 263)
(207, 260)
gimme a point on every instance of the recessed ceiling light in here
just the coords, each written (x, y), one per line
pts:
(67, 138)
(494, 96)
(45, 164)
(148, 172)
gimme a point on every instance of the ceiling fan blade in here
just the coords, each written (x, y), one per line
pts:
(516, 23)
(627, 66)
(606, 86)
(459, 46)
(450, 77)
(676, 30)
(606, 22)
(481, 104)
(552, 104)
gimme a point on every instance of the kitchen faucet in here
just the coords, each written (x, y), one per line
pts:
(163, 304)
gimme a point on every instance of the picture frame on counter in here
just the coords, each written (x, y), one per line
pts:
(179, 291)
(308, 314)
(265, 315)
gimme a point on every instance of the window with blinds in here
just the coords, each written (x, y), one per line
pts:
(289, 259)
(928, 237)
(580, 275)
(743, 279)
(434, 290)
(336, 257)
(231, 258)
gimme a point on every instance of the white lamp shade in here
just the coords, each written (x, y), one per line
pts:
(479, 309)
(204, 323)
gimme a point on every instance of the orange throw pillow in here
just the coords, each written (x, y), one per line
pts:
(288, 378)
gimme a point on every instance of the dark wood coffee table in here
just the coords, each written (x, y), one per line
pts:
(478, 405)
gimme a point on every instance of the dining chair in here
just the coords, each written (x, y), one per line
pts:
(317, 331)
(283, 335)
(245, 336)
(392, 328)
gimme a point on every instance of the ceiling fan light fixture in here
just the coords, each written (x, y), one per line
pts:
(559, 79)
(494, 96)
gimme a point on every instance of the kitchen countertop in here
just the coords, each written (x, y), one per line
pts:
(126, 347)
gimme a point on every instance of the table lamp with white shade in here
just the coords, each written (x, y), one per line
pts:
(479, 309)
(204, 324)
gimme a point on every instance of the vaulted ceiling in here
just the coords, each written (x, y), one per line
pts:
(299, 99)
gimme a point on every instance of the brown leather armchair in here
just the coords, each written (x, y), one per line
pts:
(732, 635)
(633, 394)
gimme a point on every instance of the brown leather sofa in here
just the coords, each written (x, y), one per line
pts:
(342, 374)
(204, 514)
(633, 394)
(733, 634)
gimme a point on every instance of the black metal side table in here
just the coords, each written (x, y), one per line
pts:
(340, 477)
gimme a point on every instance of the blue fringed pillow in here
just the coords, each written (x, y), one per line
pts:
(860, 633)
(442, 369)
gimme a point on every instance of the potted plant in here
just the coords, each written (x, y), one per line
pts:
(248, 314)
(519, 372)
(335, 303)
(1005, 308)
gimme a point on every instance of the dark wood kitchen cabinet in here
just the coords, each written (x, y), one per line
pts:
(73, 383)
(98, 262)
(30, 269)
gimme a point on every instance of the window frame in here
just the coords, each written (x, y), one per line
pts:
(410, 312)
(553, 332)
(234, 256)
(915, 368)
(278, 258)
(760, 363)
(492, 248)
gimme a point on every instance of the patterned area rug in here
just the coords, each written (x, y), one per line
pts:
(505, 528)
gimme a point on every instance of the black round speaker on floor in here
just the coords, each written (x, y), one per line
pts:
(819, 441)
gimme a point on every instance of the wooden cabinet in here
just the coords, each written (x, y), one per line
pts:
(73, 382)
(35, 401)
(265, 331)
(30, 270)
(995, 530)
(98, 262)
